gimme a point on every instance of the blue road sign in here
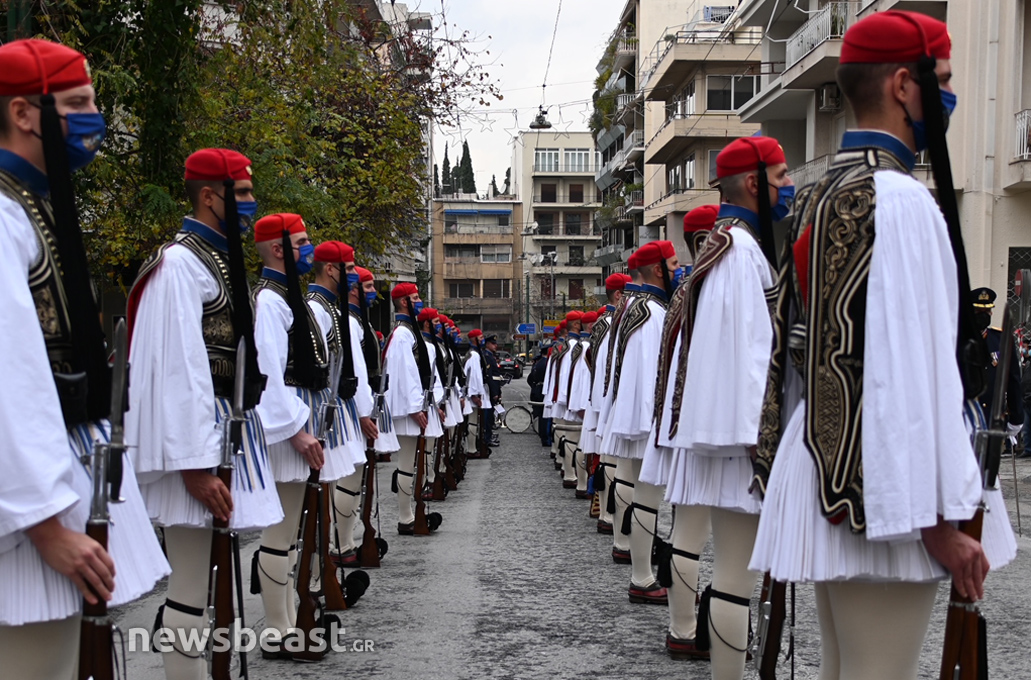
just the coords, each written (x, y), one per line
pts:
(527, 329)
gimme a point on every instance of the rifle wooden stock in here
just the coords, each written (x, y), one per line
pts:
(222, 557)
(308, 614)
(439, 492)
(773, 592)
(422, 527)
(96, 651)
(961, 650)
(460, 458)
(368, 554)
(482, 450)
(331, 589)
(450, 480)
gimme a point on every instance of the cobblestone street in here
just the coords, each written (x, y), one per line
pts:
(517, 584)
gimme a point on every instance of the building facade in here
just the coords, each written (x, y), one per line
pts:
(989, 135)
(475, 253)
(553, 179)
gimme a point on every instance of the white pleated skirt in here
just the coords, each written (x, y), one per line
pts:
(255, 501)
(32, 592)
(795, 542)
(657, 463)
(716, 481)
(616, 446)
(386, 442)
(343, 439)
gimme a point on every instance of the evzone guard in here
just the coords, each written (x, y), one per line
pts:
(578, 389)
(865, 474)
(567, 423)
(678, 567)
(477, 394)
(51, 336)
(628, 427)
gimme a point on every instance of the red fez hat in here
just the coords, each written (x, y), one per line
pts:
(404, 289)
(554, 333)
(574, 316)
(602, 309)
(745, 153)
(379, 335)
(654, 252)
(271, 227)
(563, 323)
(427, 314)
(616, 281)
(590, 317)
(40, 67)
(363, 273)
(217, 165)
(475, 333)
(702, 218)
(631, 262)
(895, 37)
(333, 251)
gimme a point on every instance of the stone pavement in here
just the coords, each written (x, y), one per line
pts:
(517, 584)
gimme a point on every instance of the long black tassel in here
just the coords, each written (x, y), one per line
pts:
(89, 353)
(348, 382)
(242, 314)
(304, 351)
(766, 239)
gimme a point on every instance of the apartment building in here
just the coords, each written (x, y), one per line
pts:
(475, 253)
(990, 134)
(553, 179)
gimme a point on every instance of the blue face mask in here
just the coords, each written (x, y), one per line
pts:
(85, 133)
(370, 297)
(353, 280)
(678, 276)
(785, 197)
(416, 308)
(949, 102)
(438, 329)
(306, 260)
(246, 210)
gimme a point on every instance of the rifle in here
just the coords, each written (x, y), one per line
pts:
(422, 527)
(96, 637)
(310, 615)
(482, 450)
(439, 489)
(372, 548)
(222, 539)
(317, 499)
(964, 656)
(772, 611)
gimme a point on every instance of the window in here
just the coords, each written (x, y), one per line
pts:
(576, 289)
(496, 254)
(549, 193)
(547, 292)
(545, 160)
(450, 223)
(545, 223)
(461, 251)
(728, 93)
(462, 289)
(689, 172)
(497, 324)
(578, 160)
(576, 256)
(574, 224)
(497, 288)
(713, 153)
(576, 193)
(682, 104)
(673, 179)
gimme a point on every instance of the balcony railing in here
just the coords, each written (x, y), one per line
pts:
(1024, 135)
(625, 100)
(829, 23)
(664, 46)
(476, 229)
(635, 198)
(635, 139)
(564, 167)
(811, 172)
(563, 229)
(626, 44)
(574, 199)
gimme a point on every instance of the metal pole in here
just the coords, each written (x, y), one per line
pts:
(526, 316)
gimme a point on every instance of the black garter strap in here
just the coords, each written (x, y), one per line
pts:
(275, 551)
(185, 609)
(393, 479)
(348, 491)
(629, 513)
(159, 623)
(702, 641)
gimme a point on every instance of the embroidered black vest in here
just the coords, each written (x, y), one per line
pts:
(637, 314)
(321, 378)
(825, 341)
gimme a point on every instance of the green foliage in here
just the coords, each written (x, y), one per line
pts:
(449, 186)
(466, 170)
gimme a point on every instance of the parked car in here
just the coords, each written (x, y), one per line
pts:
(510, 365)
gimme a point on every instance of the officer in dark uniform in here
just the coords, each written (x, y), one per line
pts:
(984, 303)
(493, 377)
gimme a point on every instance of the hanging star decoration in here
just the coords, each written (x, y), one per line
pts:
(564, 132)
(514, 131)
(487, 124)
(588, 112)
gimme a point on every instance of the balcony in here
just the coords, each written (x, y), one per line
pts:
(813, 51)
(626, 50)
(1019, 174)
(582, 199)
(811, 172)
(476, 229)
(609, 254)
(681, 130)
(563, 230)
(775, 102)
(475, 305)
(933, 8)
(635, 200)
(564, 168)
(678, 202)
(633, 149)
(566, 267)
(475, 268)
(678, 56)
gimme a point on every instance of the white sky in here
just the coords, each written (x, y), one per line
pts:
(520, 35)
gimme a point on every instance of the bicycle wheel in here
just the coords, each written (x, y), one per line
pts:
(518, 419)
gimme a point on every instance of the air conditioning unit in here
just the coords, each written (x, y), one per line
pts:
(829, 98)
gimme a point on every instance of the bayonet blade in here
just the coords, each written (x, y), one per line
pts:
(239, 378)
